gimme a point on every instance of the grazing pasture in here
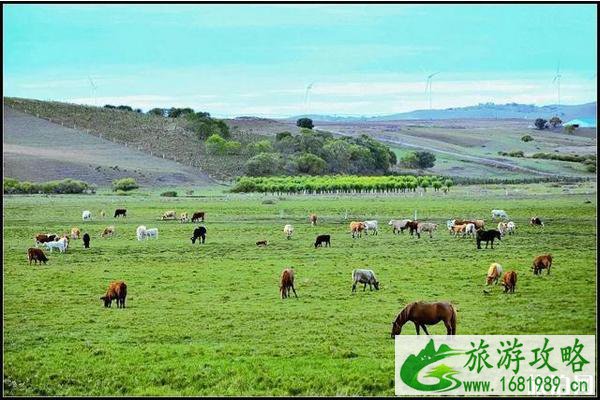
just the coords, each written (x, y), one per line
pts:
(207, 320)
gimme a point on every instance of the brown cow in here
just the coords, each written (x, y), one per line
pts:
(509, 281)
(541, 262)
(36, 255)
(198, 216)
(413, 226)
(117, 290)
(286, 282)
(456, 229)
(313, 219)
(43, 238)
(356, 228)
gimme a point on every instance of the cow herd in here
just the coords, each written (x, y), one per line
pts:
(420, 313)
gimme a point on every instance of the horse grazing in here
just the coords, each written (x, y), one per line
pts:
(286, 282)
(494, 273)
(421, 314)
(542, 262)
(313, 219)
(510, 281)
(487, 236)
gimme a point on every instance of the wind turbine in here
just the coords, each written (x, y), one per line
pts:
(307, 97)
(94, 87)
(557, 81)
(428, 88)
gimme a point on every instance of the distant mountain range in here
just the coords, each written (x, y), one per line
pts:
(480, 111)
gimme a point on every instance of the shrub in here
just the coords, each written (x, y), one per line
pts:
(305, 123)
(527, 138)
(555, 121)
(171, 193)
(125, 184)
(310, 164)
(65, 186)
(233, 147)
(262, 146)
(540, 123)
(282, 135)
(263, 164)
(215, 144)
(570, 129)
(425, 159)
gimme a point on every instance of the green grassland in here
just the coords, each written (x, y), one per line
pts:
(207, 319)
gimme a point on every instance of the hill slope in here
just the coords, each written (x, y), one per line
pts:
(38, 150)
(480, 111)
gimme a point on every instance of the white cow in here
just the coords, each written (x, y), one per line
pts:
(140, 232)
(510, 227)
(470, 230)
(499, 214)
(365, 276)
(288, 230)
(152, 232)
(86, 215)
(371, 226)
(60, 244)
(502, 228)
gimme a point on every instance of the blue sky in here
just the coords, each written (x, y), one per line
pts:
(234, 60)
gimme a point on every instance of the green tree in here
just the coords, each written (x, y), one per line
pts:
(540, 123)
(425, 159)
(174, 112)
(161, 112)
(527, 138)
(264, 164)
(125, 184)
(262, 146)
(409, 160)
(310, 164)
(555, 121)
(124, 108)
(305, 123)
(216, 145)
(282, 135)
(448, 183)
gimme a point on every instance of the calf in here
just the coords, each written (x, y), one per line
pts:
(108, 231)
(494, 273)
(86, 241)
(365, 276)
(86, 215)
(60, 244)
(536, 221)
(542, 262)
(36, 255)
(502, 228)
(323, 239)
(198, 216)
(487, 236)
(456, 229)
(511, 227)
(286, 282)
(371, 226)
(413, 227)
(184, 217)
(288, 231)
(399, 225)
(313, 219)
(499, 214)
(116, 291)
(262, 243)
(169, 215)
(120, 212)
(510, 281)
(199, 233)
(75, 233)
(426, 227)
(470, 230)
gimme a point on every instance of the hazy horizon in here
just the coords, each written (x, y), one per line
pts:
(260, 60)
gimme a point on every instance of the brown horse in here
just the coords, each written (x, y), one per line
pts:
(421, 314)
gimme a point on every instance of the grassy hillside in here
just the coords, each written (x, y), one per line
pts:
(38, 150)
(154, 135)
(207, 320)
(470, 147)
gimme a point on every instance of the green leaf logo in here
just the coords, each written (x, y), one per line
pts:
(409, 372)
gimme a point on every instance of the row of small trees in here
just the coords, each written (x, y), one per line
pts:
(65, 186)
(340, 184)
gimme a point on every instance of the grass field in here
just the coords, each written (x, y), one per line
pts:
(207, 319)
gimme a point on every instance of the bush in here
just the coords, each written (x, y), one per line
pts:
(282, 135)
(125, 184)
(570, 129)
(555, 121)
(161, 112)
(305, 123)
(540, 123)
(262, 146)
(171, 193)
(425, 159)
(216, 145)
(263, 164)
(310, 164)
(65, 186)
(527, 138)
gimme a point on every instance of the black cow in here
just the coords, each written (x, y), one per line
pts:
(487, 236)
(199, 233)
(120, 212)
(86, 240)
(323, 239)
